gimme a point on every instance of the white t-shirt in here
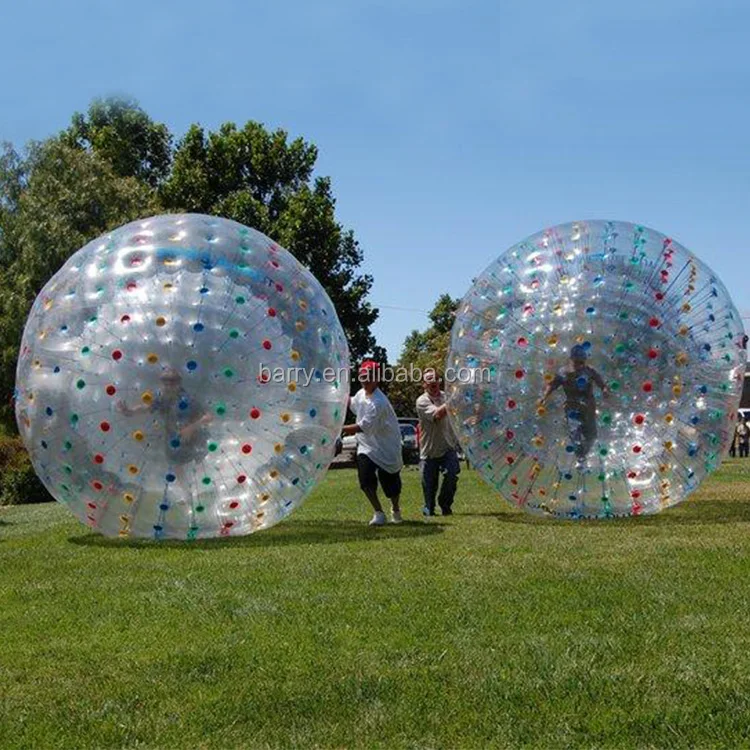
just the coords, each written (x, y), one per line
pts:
(380, 438)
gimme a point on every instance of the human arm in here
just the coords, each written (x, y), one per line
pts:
(429, 412)
(129, 411)
(552, 386)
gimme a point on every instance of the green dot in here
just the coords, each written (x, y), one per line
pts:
(240, 300)
(206, 480)
(605, 499)
(614, 385)
(601, 477)
(606, 418)
(324, 441)
(623, 315)
(234, 333)
(221, 409)
(336, 413)
(68, 470)
(318, 466)
(68, 445)
(81, 384)
(603, 451)
(228, 372)
(212, 447)
(74, 419)
(85, 350)
(199, 509)
(620, 348)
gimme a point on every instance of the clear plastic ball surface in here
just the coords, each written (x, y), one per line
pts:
(595, 371)
(182, 377)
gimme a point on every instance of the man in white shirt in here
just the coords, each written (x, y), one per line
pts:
(378, 443)
(437, 447)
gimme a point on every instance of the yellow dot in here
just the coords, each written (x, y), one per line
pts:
(278, 447)
(669, 445)
(684, 330)
(668, 418)
(300, 325)
(292, 387)
(295, 355)
(124, 518)
(686, 307)
(138, 435)
(264, 497)
(147, 397)
(552, 340)
(663, 468)
(274, 474)
(302, 305)
(152, 358)
(549, 377)
(161, 321)
(37, 364)
(133, 469)
(681, 358)
(541, 410)
(677, 390)
(48, 304)
(168, 286)
(128, 498)
(123, 533)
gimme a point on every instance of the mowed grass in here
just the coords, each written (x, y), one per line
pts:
(485, 629)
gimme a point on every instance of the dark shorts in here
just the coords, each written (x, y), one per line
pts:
(369, 473)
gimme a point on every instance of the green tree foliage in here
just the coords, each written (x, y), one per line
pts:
(115, 164)
(422, 350)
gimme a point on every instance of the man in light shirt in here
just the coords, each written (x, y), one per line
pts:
(437, 447)
(378, 443)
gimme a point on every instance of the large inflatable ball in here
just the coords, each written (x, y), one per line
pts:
(595, 371)
(181, 377)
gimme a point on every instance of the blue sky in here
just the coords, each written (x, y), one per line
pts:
(451, 128)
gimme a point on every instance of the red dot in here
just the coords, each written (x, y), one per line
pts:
(519, 374)
(234, 504)
(637, 508)
(635, 494)
(98, 458)
(247, 448)
(279, 287)
(654, 322)
(522, 341)
(637, 449)
(111, 390)
(98, 486)
(510, 434)
(632, 475)
(104, 426)
(653, 353)
(647, 387)
(92, 505)
(228, 524)
(117, 355)
(511, 403)
(275, 263)
(509, 460)
(266, 344)
(131, 286)
(639, 419)
(659, 296)
(241, 479)
(263, 377)
(514, 480)
(254, 413)
(125, 319)
(272, 312)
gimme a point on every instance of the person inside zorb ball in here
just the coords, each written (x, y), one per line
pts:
(595, 370)
(182, 377)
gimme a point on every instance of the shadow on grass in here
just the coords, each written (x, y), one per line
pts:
(692, 512)
(295, 533)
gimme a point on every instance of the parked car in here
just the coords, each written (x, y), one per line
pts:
(409, 444)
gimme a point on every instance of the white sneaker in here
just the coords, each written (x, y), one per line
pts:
(378, 519)
(396, 517)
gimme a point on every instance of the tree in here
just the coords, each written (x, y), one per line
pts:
(115, 164)
(422, 350)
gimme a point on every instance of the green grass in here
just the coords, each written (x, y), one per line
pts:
(487, 628)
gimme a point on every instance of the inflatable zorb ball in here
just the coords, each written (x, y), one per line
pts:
(638, 349)
(182, 377)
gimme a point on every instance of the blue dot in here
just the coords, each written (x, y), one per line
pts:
(57, 369)
(44, 443)
(703, 389)
(63, 328)
(568, 475)
(313, 412)
(581, 382)
(192, 365)
(183, 404)
(295, 480)
(303, 449)
(175, 442)
(48, 411)
(198, 327)
(569, 448)
(164, 506)
(571, 497)
(170, 478)
(157, 528)
(586, 344)
(204, 290)
(590, 310)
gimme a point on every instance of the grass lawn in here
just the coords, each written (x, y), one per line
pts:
(485, 629)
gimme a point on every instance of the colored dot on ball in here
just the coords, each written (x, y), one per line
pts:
(152, 359)
(221, 409)
(132, 469)
(68, 445)
(639, 419)
(198, 327)
(654, 322)
(285, 417)
(192, 365)
(648, 387)
(48, 411)
(170, 478)
(511, 403)
(254, 413)
(241, 479)
(278, 448)
(131, 286)
(147, 397)
(138, 436)
(234, 504)
(80, 384)
(228, 372)
(174, 443)
(74, 418)
(117, 355)
(98, 458)
(183, 404)
(603, 451)
(85, 350)
(110, 390)
(519, 374)
(206, 480)
(204, 290)
(292, 387)
(267, 344)
(105, 426)
(637, 449)
(590, 310)
(247, 448)
(623, 315)
(161, 321)
(240, 300)
(125, 319)
(212, 447)
(128, 498)
(234, 333)
(653, 353)
(272, 312)
(312, 412)
(199, 508)
(57, 369)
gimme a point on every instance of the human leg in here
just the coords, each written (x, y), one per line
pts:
(451, 468)
(430, 470)
(368, 483)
